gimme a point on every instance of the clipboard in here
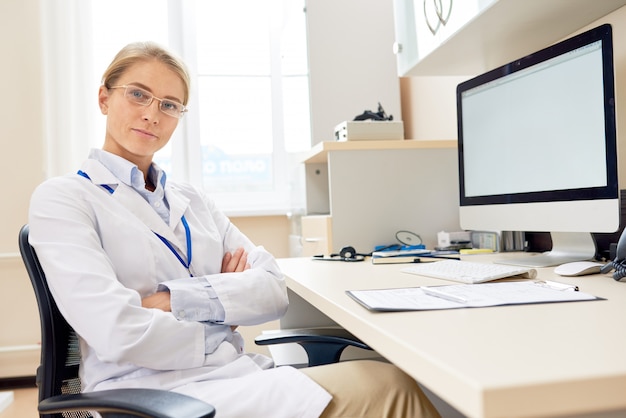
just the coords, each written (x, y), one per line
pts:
(468, 296)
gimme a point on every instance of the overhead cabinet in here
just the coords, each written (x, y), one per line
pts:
(469, 37)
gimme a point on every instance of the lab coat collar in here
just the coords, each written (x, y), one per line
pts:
(178, 205)
(137, 205)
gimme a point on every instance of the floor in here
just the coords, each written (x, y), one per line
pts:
(24, 404)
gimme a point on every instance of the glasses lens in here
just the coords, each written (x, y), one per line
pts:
(171, 108)
(137, 95)
(144, 98)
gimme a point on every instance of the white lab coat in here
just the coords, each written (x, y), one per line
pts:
(101, 256)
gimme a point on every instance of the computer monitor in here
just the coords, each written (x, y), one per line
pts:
(537, 147)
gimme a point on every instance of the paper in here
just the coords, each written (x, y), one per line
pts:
(466, 296)
(400, 253)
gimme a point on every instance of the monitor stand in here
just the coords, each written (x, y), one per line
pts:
(566, 248)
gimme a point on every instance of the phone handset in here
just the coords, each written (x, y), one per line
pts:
(619, 263)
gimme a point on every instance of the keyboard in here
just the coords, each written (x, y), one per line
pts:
(469, 271)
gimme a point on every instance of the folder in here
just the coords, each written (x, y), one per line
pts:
(468, 296)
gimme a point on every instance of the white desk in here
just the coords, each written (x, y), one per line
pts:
(511, 361)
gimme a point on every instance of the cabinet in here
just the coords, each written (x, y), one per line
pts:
(361, 193)
(479, 35)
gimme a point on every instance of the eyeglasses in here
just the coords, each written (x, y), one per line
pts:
(143, 97)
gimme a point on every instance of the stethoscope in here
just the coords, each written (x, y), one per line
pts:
(407, 241)
(348, 254)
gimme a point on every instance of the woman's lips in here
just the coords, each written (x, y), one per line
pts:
(145, 134)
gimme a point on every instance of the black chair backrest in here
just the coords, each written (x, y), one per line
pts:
(60, 354)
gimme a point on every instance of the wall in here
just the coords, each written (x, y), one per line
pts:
(351, 62)
(429, 103)
(21, 168)
(21, 159)
(618, 20)
(429, 106)
(271, 232)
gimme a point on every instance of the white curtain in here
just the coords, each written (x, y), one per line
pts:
(68, 85)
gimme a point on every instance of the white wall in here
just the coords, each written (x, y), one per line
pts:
(21, 158)
(618, 20)
(21, 169)
(351, 62)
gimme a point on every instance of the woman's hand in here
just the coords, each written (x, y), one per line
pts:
(231, 263)
(158, 300)
(235, 262)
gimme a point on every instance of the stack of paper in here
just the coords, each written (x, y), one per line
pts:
(467, 296)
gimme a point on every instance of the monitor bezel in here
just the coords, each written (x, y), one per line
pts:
(601, 33)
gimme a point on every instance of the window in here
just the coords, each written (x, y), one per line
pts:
(249, 109)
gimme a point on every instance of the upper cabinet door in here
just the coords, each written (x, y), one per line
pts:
(469, 37)
(423, 25)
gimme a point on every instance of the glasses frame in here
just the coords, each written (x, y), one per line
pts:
(148, 102)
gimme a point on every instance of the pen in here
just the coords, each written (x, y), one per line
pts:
(443, 295)
(556, 285)
(440, 257)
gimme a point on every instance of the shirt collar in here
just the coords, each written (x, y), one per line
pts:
(127, 172)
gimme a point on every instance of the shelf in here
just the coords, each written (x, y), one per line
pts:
(360, 193)
(319, 153)
(508, 30)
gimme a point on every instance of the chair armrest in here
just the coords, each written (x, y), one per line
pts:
(322, 345)
(146, 403)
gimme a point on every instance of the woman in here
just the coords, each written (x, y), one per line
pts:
(155, 279)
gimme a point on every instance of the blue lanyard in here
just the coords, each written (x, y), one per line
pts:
(85, 175)
(173, 250)
(163, 239)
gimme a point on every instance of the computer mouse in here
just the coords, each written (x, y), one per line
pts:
(578, 268)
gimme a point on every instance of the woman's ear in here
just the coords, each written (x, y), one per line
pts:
(103, 99)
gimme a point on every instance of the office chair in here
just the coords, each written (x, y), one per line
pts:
(57, 375)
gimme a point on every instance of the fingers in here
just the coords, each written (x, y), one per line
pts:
(226, 262)
(235, 262)
(242, 262)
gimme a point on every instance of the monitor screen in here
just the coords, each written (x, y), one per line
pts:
(537, 146)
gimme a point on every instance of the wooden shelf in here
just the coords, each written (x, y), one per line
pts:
(319, 153)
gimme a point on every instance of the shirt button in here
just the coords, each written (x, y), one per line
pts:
(157, 204)
(181, 314)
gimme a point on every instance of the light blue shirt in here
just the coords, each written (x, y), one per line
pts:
(129, 174)
(188, 302)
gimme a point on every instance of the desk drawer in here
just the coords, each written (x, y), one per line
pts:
(316, 235)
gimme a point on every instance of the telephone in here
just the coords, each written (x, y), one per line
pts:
(619, 262)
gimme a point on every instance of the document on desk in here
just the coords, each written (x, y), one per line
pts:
(467, 296)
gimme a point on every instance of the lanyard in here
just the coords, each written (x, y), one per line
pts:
(173, 250)
(163, 239)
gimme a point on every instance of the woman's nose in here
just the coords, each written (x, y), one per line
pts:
(152, 112)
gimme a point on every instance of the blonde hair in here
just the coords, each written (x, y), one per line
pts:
(144, 51)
